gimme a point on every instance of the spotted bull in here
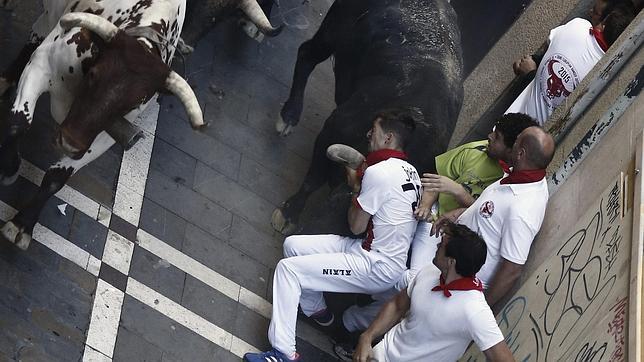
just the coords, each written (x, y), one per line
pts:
(387, 54)
(95, 70)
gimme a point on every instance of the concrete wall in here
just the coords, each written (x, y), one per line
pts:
(572, 302)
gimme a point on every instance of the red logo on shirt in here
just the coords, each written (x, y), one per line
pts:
(557, 80)
(487, 209)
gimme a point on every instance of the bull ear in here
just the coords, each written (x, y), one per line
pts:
(94, 23)
(180, 88)
(256, 15)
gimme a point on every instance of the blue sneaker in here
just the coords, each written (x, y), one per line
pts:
(324, 317)
(270, 356)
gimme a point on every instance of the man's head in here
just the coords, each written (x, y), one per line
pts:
(601, 8)
(616, 21)
(504, 134)
(392, 129)
(533, 149)
(460, 250)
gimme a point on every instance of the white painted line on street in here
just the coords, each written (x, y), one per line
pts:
(225, 286)
(254, 302)
(56, 243)
(92, 355)
(66, 249)
(188, 265)
(94, 265)
(7, 212)
(118, 252)
(188, 319)
(104, 216)
(134, 168)
(106, 314)
(103, 328)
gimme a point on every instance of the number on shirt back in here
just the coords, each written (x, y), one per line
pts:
(416, 188)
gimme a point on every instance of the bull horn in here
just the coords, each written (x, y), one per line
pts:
(256, 15)
(180, 88)
(94, 23)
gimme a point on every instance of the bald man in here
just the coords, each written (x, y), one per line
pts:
(509, 213)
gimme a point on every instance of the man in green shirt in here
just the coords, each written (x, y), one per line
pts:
(465, 171)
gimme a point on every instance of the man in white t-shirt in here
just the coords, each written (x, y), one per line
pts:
(386, 196)
(573, 50)
(509, 212)
(440, 312)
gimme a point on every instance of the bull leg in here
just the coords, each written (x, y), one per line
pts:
(12, 130)
(309, 55)
(9, 162)
(30, 87)
(10, 76)
(39, 30)
(198, 21)
(285, 219)
(343, 126)
(19, 229)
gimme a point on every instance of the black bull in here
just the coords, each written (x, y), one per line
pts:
(387, 54)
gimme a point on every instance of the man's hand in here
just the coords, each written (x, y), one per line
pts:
(424, 209)
(524, 65)
(363, 351)
(450, 216)
(352, 179)
(438, 183)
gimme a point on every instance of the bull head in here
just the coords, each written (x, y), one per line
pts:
(125, 75)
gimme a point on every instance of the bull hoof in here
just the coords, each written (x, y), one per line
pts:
(283, 128)
(251, 30)
(16, 235)
(281, 224)
(4, 85)
(345, 155)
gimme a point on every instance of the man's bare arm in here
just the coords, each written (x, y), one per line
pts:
(506, 274)
(390, 314)
(499, 353)
(358, 219)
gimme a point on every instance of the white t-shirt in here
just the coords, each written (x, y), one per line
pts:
(571, 54)
(438, 328)
(507, 217)
(390, 191)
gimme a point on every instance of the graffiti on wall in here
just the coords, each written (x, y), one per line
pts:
(574, 306)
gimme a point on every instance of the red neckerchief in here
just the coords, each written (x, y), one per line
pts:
(380, 155)
(524, 176)
(466, 283)
(599, 36)
(504, 166)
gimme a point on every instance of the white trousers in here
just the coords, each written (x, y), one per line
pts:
(321, 263)
(423, 250)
